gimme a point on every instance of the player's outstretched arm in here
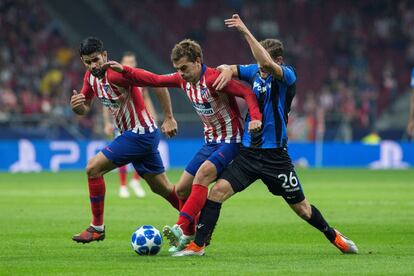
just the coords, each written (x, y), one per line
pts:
(227, 73)
(140, 77)
(260, 54)
(237, 89)
(169, 126)
(79, 104)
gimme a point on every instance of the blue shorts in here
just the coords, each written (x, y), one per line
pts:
(220, 154)
(139, 149)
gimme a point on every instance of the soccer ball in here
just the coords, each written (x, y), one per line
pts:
(146, 240)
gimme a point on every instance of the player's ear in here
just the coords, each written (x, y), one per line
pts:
(105, 56)
(279, 60)
(83, 61)
(198, 60)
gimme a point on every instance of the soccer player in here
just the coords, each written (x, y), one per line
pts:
(223, 128)
(129, 59)
(263, 155)
(138, 142)
(410, 125)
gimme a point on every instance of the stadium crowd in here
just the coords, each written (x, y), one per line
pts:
(38, 69)
(347, 57)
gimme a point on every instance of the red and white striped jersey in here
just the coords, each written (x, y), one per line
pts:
(123, 100)
(217, 110)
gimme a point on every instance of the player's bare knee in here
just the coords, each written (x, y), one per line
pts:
(206, 174)
(220, 192)
(216, 196)
(92, 170)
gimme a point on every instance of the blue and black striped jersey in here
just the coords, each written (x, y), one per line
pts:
(275, 98)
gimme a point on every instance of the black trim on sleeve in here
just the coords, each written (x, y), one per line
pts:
(276, 115)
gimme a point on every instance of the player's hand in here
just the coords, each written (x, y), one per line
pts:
(410, 128)
(255, 125)
(109, 129)
(169, 127)
(236, 22)
(224, 77)
(116, 66)
(77, 102)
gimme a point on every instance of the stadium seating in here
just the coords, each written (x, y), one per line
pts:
(38, 70)
(360, 43)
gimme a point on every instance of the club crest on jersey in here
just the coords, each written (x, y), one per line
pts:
(106, 87)
(204, 91)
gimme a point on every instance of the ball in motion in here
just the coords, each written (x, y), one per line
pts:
(146, 240)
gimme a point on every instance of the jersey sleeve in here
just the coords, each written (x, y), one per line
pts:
(247, 72)
(141, 78)
(289, 75)
(235, 88)
(87, 90)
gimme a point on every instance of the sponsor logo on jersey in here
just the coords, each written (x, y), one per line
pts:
(110, 103)
(261, 88)
(203, 108)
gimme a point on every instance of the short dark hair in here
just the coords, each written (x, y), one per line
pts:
(273, 46)
(90, 45)
(128, 54)
(187, 48)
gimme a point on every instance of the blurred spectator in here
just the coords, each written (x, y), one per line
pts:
(372, 138)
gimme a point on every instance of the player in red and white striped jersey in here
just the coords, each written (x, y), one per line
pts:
(138, 142)
(222, 121)
(129, 59)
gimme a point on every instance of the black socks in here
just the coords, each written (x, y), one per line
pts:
(208, 219)
(320, 223)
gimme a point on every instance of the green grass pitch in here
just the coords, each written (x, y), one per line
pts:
(257, 233)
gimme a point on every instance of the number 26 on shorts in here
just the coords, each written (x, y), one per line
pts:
(288, 182)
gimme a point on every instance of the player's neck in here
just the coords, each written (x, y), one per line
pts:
(199, 74)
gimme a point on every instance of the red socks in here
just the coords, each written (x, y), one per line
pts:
(97, 197)
(192, 207)
(122, 175)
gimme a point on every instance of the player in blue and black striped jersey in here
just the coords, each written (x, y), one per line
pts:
(263, 154)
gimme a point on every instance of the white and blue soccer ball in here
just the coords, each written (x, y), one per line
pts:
(146, 240)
